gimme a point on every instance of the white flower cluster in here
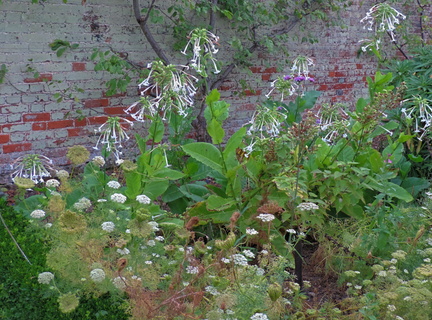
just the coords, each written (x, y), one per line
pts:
(248, 254)
(52, 183)
(301, 66)
(307, 206)
(251, 231)
(212, 290)
(114, 184)
(97, 275)
(143, 199)
(259, 316)
(154, 225)
(62, 174)
(192, 270)
(421, 113)
(82, 204)
(239, 259)
(45, 277)
(108, 226)
(118, 197)
(98, 161)
(123, 251)
(37, 214)
(119, 283)
(159, 238)
(266, 217)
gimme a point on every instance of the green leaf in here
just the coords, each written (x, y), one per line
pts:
(205, 153)
(215, 130)
(218, 203)
(234, 142)
(391, 189)
(415, 158)
(154, 189)
(156, 131)
(169, 174)
(134, 185)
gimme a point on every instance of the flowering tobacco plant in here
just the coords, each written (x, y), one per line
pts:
(381, 18)
(421, 113)
(203, 46)
(112, 135)
(32, 166)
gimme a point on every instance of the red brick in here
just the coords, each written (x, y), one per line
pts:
(18, 147)
(252, 93)
(4, 138)
(117, 95)
(343, 86)
(76, 132)
(266, 77)
(246, 107)
(97, 120)
(270, 70)
(255, 69)
(96, 103)
(78, 66)
(42, 78)
(359, 66)
(323, 87)
(30, 117)
(60, 124)
(114, 110)
(80, 123)
(39, 126)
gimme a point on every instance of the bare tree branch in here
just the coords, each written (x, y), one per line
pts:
(212, 14)
(145, 29)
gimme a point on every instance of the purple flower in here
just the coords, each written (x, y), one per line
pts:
(311, 79)
(287, 77)
(299, 79)
(280, 108)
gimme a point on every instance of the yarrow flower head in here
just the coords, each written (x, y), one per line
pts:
(166, 88)
(114, 184)
(118, 197)
(32, 166)
(239, 259)
(108, 226)
(259, 316)
(113, 135)
(45, 277)
(143, 199)
(98, 161)
(37, 214)
(251, 231)
(82, 204)
(382, 18)
(307, 206)
(266, 217)
(97, 275)
(78, 154)
(203, 46)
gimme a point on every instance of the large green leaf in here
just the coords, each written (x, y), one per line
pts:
(215, 130)
(234, 142)
(390, 189)
(169, 174)
(154, 189)
(206, 153)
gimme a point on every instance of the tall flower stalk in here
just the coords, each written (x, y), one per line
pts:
(32, 166)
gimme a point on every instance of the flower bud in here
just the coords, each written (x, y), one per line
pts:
(274, 291)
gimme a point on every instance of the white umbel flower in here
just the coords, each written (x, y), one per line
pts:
(82, 204)
(97, 275)
(108, 226)
(251, 231)
(45, 277)
(259, 316)
(265, 217)
(239, 259)
(143, 199)
(52, 183)
(98, 161)
(37, 214)
(118, 197)
(114, 184)
(307, 206)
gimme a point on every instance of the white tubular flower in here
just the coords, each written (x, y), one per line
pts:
(421, 112)
(203, 46)
(301, 66)
(166, 88)
(266, 120)
(286, 86)
(382, 18)
(97, 275)
(45, 277)
(32, 166)
(112, 135)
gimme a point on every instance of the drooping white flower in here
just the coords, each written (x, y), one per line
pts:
(37, 214)
(32, 166)
(301, 66)
(45, 277)
(97, 275)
